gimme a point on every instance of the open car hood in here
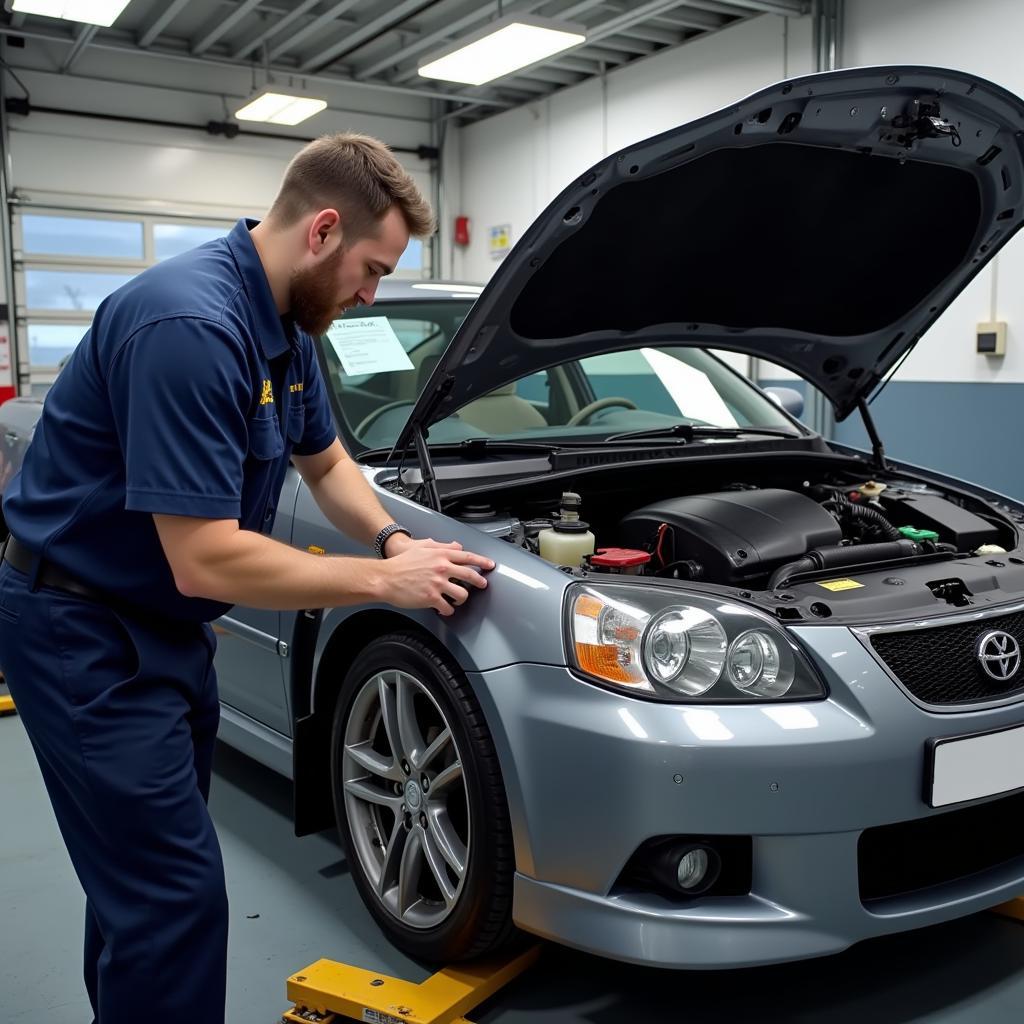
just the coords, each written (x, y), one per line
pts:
(822, 224)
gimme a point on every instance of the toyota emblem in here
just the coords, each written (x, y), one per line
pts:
(999, 655)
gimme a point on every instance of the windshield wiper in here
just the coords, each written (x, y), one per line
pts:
(687, 432)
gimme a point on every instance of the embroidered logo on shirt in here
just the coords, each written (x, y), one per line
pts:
(297, 387)
(267, 398)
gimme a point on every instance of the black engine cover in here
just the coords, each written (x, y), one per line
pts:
(734, 535)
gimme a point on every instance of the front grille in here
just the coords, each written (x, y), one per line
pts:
(912, 855)
(939, 665)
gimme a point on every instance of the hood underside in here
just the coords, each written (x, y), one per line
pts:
(822, 224)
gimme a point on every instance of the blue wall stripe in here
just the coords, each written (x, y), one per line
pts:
(968, 430)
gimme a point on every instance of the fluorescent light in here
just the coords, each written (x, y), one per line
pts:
(92, 12)
(280, 108)
(503, 46)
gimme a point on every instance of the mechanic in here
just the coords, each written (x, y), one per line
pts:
(141, 513)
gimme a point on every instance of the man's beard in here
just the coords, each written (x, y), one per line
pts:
(313, 294)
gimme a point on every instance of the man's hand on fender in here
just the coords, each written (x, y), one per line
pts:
(428, 574)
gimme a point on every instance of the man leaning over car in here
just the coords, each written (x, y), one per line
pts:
(141, 513)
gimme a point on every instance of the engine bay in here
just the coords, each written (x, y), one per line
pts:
(805, 547)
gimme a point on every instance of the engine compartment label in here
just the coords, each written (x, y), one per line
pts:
(837, 585)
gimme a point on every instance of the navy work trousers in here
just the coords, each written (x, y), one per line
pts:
(122, 714)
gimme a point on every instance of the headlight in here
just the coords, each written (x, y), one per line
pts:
(690, 649)
(758, 665)
(684, 649)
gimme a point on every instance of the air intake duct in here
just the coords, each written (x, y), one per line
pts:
(841, 557)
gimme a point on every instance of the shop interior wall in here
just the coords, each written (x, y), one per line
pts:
(128, 164)
(119, 166)
(948, 406)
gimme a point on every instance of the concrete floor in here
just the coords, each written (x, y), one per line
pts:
(292, 902)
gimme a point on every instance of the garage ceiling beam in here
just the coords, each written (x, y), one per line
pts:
(355, 39)
(103, 43)
(690, 18)
(275, 28)
(576, 63)
(739, 8)
(527, 85)
(221, 25)
(635, 46)
(170, 12)
(325, 19)
(82, 40)
(636, 15)
(546, 73)
(661, 37)
(442, 34)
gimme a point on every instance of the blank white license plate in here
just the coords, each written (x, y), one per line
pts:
(977, 766)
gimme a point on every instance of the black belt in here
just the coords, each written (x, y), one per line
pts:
(49, 575)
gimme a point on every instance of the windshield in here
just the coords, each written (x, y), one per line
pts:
(378, 361)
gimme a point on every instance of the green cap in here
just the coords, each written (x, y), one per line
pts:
(912, 533)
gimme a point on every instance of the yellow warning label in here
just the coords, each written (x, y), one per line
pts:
(837, 585)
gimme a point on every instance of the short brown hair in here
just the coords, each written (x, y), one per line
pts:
(357, 175)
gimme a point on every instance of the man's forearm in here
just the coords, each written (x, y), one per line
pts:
(251, 569)
(348, 502)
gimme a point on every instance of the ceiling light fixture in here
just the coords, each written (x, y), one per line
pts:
(92, 12)
(505, 45)
(273, 106)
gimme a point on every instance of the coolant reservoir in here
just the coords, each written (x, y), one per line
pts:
(568, 539)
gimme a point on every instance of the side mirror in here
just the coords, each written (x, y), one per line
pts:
(789, 398)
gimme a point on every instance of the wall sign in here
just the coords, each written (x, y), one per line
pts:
(500, 240)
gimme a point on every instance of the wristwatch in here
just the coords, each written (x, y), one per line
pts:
(391, 528)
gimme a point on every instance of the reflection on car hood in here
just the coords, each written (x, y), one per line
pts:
(822, 224)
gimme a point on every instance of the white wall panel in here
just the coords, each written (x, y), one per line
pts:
(120, 165)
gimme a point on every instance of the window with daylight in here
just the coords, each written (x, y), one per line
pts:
(67, 262)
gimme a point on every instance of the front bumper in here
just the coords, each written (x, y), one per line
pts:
(591, 774)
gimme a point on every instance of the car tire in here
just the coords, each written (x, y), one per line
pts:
(444, 916)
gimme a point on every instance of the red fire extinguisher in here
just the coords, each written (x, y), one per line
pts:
(462, 231)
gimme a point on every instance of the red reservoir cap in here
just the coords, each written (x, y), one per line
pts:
(617, 558)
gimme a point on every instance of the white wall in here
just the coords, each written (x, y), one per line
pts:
(115, 165)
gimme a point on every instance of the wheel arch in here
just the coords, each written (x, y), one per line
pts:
(316, 682)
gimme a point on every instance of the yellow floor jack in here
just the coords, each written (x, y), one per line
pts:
(328, 992)
(6, 700)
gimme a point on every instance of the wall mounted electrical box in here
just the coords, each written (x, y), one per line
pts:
(991, 338)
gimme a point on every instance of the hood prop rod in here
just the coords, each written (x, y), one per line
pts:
(877, 448)
(429, 484)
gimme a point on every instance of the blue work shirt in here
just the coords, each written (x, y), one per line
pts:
(186, 397)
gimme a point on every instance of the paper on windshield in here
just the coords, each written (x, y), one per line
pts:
(692, 391)
(367, 345)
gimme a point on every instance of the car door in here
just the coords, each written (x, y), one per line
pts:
(251, 654)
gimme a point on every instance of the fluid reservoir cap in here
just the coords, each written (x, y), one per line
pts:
(617, 558)
(911, 533)
(570, 526)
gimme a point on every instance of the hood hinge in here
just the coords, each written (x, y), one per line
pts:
(877, 448)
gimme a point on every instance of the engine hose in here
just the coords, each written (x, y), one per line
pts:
(839, 556)
(869, 516)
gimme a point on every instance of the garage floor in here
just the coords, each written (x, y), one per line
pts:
(293, 902)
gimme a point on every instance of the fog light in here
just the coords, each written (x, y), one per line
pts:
(693, 868)
(686, 867)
